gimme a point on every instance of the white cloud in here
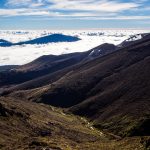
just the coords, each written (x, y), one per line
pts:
(12, 3)
(94, 9)
(21, 55)
(10, 12)
(117, 18)
(26, 12)
(91, 5)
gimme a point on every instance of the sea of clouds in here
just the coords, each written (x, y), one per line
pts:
(19, 55)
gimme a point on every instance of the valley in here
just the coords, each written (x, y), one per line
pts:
(93, 100)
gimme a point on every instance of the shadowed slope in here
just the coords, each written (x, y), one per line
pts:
(112, 91)
(43, 69)
(76, 85)
(7, 67)
(40, 67)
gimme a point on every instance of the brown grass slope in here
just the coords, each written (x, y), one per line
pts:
(112, 91)
(27, 126)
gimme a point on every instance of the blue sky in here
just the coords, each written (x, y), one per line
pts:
(74, 14)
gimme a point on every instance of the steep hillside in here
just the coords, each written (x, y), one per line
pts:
(40, 67)
(112, 91)
(87, 75)
(26, 125)
(46, 66)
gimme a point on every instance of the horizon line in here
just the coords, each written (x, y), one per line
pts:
(137, 28)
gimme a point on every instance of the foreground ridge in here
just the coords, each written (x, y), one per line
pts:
(26, 125)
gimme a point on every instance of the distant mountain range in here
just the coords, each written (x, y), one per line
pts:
(53, 38)
(108, 85)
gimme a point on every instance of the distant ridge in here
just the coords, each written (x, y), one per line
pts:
(53, 38)
(4, 43)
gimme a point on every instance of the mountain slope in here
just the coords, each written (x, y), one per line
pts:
(112, 90)
(89, 74)
(105, 90)
(40, 67)
(124, 99)
(43, 69)
(135, 39)
(26, 125)
(7, 67)
(102, 50)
